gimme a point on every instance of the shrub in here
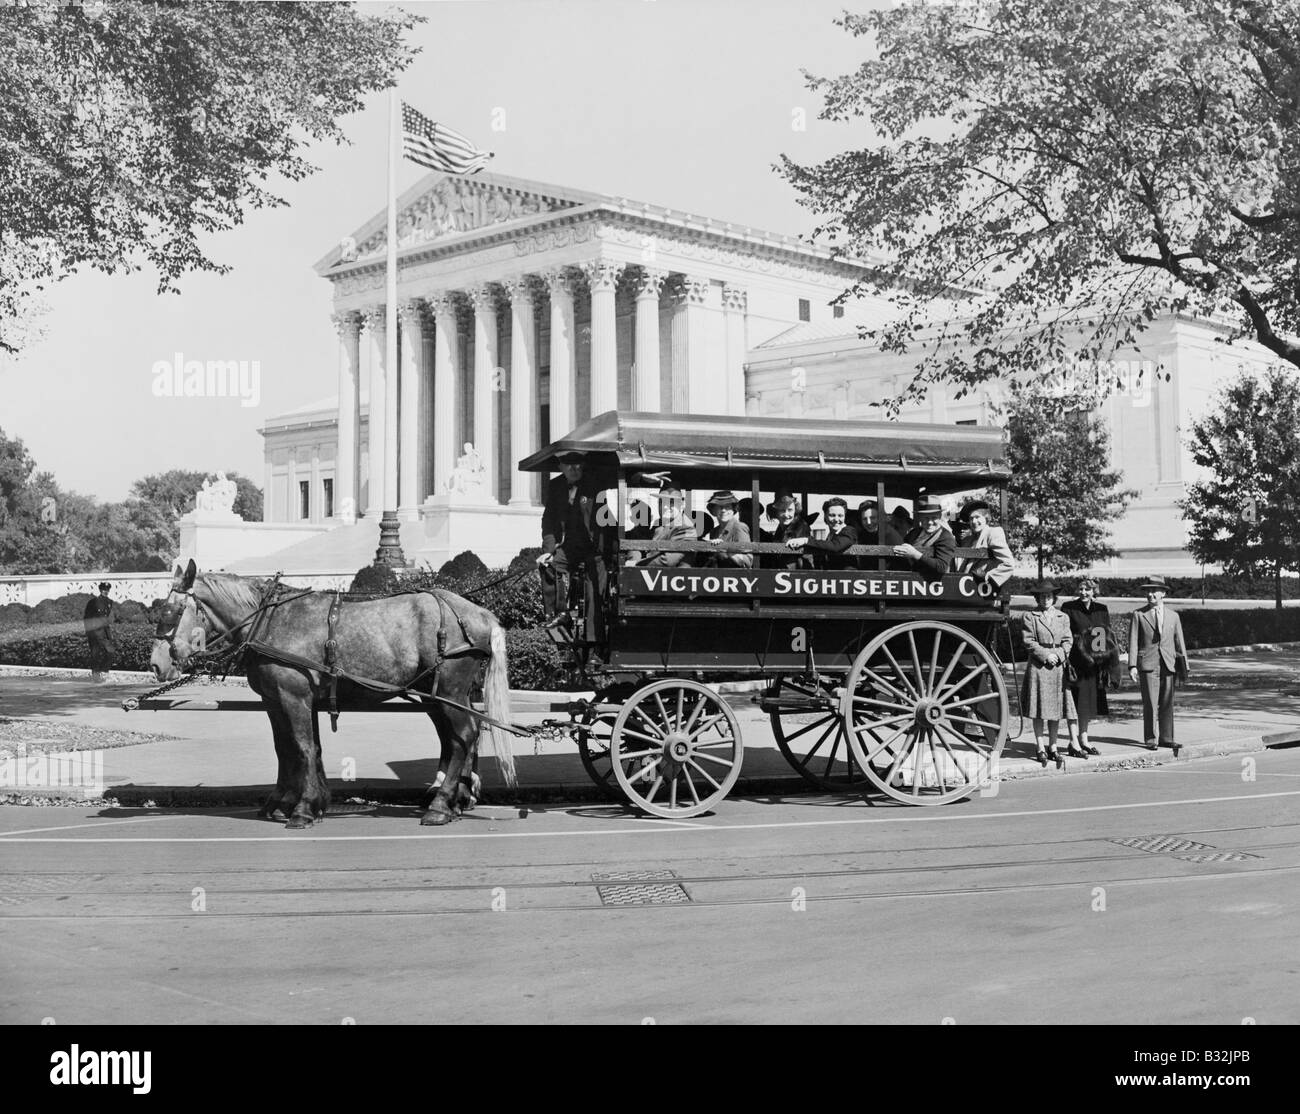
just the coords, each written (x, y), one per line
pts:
(61, 609)
(132, 611)
(375, 580)
(1217, 587)
(13, 616)
(516, 603)
(525, 559)
(54, 645)
(534, 662)
(465, 566)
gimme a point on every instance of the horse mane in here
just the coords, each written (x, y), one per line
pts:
(232, 596)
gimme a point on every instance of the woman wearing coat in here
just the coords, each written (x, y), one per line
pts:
(1044, 695)
(1095, 657)
(998, 566)
(789, 524)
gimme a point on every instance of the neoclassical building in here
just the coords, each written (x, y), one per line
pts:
(524, 308)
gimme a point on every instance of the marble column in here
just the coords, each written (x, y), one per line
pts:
(295, 501)
(701, 390)
(563, 353)
(424, 437)
(268, 509)
(315, 496)
(523, 370)
(734, 302)
(486, 384)
(410, 314)
(645, 379)
(347, 453)
(446, 373)
(603, 278)
(680, 371)
(378, 330)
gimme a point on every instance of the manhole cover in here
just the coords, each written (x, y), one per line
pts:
(1186, 849)
(640, 887)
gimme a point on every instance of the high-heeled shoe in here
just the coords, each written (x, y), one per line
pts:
(1057, 757)
(1075, 752)
(1091, 752)
(1041, 755)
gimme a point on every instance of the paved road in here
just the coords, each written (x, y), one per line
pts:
(1021, 907)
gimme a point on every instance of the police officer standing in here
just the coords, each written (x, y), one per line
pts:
(98, 617)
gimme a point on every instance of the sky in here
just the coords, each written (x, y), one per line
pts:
(683, 103)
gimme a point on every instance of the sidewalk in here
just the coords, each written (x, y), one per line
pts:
(176, 758)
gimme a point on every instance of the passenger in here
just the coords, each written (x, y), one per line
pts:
(636, 527)
(901, 519)
(729, 531)
(869, 534)
(929, 547)
(1095, 657)
(674, 526)
(980, 533)
(829, 552)
(789, 524)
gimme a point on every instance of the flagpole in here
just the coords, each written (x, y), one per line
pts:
(390, 537)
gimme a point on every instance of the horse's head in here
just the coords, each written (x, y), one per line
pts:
(182, 627)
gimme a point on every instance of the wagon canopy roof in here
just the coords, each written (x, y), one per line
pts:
(885, 450)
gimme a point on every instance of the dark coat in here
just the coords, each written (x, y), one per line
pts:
(798, 528)
(938, 548)
(829, 552)
(558, 515)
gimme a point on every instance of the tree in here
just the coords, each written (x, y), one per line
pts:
(132, 128)
(1062, 496)
(1246, 515)
(1069, 172)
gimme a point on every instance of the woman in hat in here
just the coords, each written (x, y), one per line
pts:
(729, 531)
(980, 533)
(789, 524)
(1095, 657)
(1044, 696)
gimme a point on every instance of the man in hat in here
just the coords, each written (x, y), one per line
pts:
(570, 544)
(674, 526)
(929, 546)
(98, 618)
(729, 531)
(1157, 657)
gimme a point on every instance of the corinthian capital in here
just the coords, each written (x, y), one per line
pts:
(483, 298)
(734, 298)
(441, 304)
(376, 319)
(519, 289)
(410, 309)
(561, 282)
(347, 323)
(647, 282)
(602, 275)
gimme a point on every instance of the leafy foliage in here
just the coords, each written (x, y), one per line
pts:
(1245, 515)
(1064, 173)
(134, 128)
(1063, 494)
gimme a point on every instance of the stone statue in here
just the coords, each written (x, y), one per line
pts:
(467, 477)
(216, 500)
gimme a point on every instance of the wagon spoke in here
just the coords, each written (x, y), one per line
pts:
(934, 661)
(714, 758)
(722, 740)
(703, 773)
(955, 760)
(883, 683)
(713, 721)
(681, 696)
(639, 735)
(952, 664)
(628, 755)
(648, 722)
(644, 771)
(954, 688)
(686, 774)
(663, 712)
(809, 727)
(884, 649)
(835, 749)
(881, 703)
(972, 700)
(654, 788)
(916, 661)
(699, 707)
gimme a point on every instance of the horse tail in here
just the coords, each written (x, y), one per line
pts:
(496, 703)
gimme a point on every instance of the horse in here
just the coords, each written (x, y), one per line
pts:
(430, 642)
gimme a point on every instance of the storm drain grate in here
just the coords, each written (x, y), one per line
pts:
(1186, 849)
(640, 887)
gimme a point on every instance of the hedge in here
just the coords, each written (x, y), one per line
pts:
(1217, 587)
(55, 645)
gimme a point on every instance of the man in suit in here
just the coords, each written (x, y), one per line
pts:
(674, 526)
(570, 545)
(929, 546)
(830, 552)
(99, 617)
(1157, 657)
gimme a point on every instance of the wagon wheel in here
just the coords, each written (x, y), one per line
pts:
(925, 707)
(676, 749)
(810, 733)
(594, 727)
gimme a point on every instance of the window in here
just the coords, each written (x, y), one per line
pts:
(805, 309)
(304, 499)
(968, 421)
(329, 497)
(837, 311)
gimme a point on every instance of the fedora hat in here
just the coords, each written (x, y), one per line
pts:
(723, 500)
(1044, 588)
(1157, 582)
(928, 509)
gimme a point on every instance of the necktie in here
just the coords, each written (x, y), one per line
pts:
(573, 491)
(1160, 622)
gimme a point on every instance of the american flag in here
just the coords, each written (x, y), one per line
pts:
(438, 147)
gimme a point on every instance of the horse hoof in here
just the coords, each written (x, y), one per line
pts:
(299, 822)
(434, 818)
